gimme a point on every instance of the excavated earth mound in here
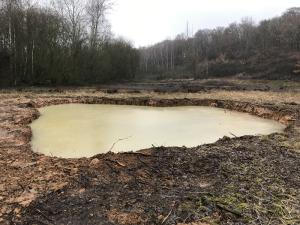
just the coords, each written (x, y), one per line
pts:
(247, 180)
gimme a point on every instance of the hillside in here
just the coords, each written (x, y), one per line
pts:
(268, 50)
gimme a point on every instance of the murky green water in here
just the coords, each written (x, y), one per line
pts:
(79, 130)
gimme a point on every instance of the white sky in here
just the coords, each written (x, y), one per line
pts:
(145, 22)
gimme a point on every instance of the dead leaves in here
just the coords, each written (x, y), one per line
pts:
(25, 199)
(22, 165)
(58, 186)
(122, 218)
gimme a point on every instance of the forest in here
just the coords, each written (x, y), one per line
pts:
(66, 43)
(69, 42)
(268, 50)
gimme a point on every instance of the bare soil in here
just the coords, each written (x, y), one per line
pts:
(247, 180)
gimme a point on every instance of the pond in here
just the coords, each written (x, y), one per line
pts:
(80, 130)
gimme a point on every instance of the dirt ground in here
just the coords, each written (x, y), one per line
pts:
(247, 180)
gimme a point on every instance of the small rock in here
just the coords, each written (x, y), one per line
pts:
(17, 210)
(82, 190)
(94, 162)
(74, 170)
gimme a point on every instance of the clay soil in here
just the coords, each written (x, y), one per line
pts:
(247, 180)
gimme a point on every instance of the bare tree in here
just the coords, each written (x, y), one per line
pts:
(96, 10)
(73, 11)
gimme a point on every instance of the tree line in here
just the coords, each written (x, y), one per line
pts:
(66, 43)
(269, 49)
(69, 42)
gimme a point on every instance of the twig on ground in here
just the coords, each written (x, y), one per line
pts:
(116, 162)
(235, 212)
(167, 217)
(43, 214)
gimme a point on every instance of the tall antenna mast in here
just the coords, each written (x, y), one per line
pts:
(192, 30)
(187, 29)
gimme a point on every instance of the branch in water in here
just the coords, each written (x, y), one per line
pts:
(121, 139)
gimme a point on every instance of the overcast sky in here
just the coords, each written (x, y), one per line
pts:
(145, 22)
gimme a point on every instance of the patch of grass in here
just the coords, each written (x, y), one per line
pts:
(254, 194)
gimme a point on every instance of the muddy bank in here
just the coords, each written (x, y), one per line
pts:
(283, 114)
(248, 180)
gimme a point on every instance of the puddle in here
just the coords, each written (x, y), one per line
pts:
(80, 130)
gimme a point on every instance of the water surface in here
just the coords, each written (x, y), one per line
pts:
(79, 130)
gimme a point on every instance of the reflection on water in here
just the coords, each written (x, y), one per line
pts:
(79, 130)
